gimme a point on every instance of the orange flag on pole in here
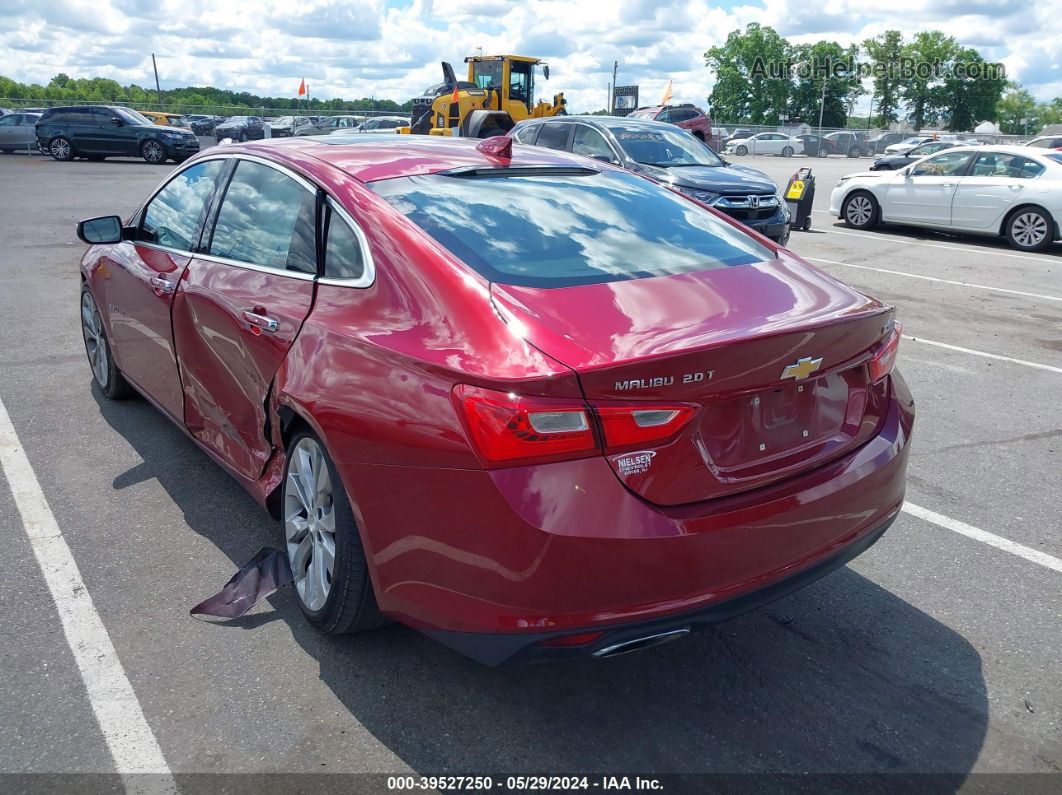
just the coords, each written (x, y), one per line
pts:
(667, 94)
(454, 97)
(302, 87)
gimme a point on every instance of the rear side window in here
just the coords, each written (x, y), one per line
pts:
(558, 230)
(343, 252)
(173, 216)
(71, 116)
(266, 219)
(554, 136)
(527, 133)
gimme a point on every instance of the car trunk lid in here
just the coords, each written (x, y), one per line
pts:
(772, 357)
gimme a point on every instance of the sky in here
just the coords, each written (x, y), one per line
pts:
(392, 48)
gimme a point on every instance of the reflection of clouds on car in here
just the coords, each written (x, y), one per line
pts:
(172, 217)
(562, 231)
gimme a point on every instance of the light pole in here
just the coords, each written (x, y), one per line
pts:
(822, 101)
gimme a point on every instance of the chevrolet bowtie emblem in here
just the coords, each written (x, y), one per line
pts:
(802, 369)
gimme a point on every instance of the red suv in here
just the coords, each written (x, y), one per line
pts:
(688, 117)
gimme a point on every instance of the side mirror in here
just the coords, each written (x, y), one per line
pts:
(105, 229)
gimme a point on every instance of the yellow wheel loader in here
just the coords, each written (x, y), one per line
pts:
(499, 92)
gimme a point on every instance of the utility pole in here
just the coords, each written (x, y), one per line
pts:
(612, 102)
(158, 90)
(822, 103)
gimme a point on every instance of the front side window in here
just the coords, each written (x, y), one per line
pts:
(266, 219)
(172, 218)
(343, 253)
(11, 120)
(589, 141)
(130, 116)
(947, 164)
(558, 230)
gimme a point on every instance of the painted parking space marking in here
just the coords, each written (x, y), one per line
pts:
(984, 354)
(968, 249)
(129, 738)
(936, 279)
(977, 534)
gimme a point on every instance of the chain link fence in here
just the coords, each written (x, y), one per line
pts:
(177, 108)
(729, 128)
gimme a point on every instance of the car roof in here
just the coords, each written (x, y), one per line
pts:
(371, 157)
(603, 122)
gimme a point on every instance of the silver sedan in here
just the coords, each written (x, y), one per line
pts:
(18, 131)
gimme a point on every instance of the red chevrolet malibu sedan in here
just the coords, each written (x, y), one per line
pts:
(532, 405)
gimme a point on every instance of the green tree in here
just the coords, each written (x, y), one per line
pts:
(824, 65)
(925, 57)
(751, 81)
(971, 91)
(1015, 104)
(885, 52)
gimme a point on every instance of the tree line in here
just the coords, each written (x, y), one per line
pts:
(63, 88)
(928, 81)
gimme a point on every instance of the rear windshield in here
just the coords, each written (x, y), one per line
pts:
(559, 230)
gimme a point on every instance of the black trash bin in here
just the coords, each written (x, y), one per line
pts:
(799, 195)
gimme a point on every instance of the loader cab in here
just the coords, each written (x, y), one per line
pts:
(512, 76)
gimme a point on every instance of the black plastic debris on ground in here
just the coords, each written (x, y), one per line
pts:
(264, 574)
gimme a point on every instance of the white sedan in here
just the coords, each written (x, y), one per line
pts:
(907, 143)
(1011, 191)
(766, 143)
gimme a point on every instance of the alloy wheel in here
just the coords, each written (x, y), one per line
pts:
(1029, 229)
(153, 152)
(95, 343)
(60, 149)
(310, 523)
(859, 210)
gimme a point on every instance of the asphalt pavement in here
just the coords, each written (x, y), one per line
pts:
(934, 652)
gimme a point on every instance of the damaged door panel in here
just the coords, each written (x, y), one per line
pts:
(239, 308)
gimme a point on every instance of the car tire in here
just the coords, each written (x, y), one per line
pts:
(742, 150)
(860, 210)
(243, 137)
(787, 151)
(153, 151)
(60, 148)
(1030, 229)
(821, 152)
(853, 151)
(105, 373)
(7, 151)
(316, 515)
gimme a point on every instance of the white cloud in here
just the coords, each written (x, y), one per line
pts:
(392, 48)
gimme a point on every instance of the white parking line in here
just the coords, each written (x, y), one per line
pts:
(967, 249)
(125, 729)
(986, 355)
(1014, 548)
(935, 279)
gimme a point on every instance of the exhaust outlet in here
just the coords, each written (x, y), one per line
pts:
(637, 644)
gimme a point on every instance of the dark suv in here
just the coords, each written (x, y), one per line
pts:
(240, 128)
(688, 117)
(671, 157)
(97, 132)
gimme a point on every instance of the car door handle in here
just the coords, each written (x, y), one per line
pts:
(947, 184)
(261, 322)
(161, 284)
(1016, 187)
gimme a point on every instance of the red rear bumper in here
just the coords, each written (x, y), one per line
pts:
(492, 562)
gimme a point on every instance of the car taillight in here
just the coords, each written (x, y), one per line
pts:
(508, 428)
(627, 426)
(884, 358)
